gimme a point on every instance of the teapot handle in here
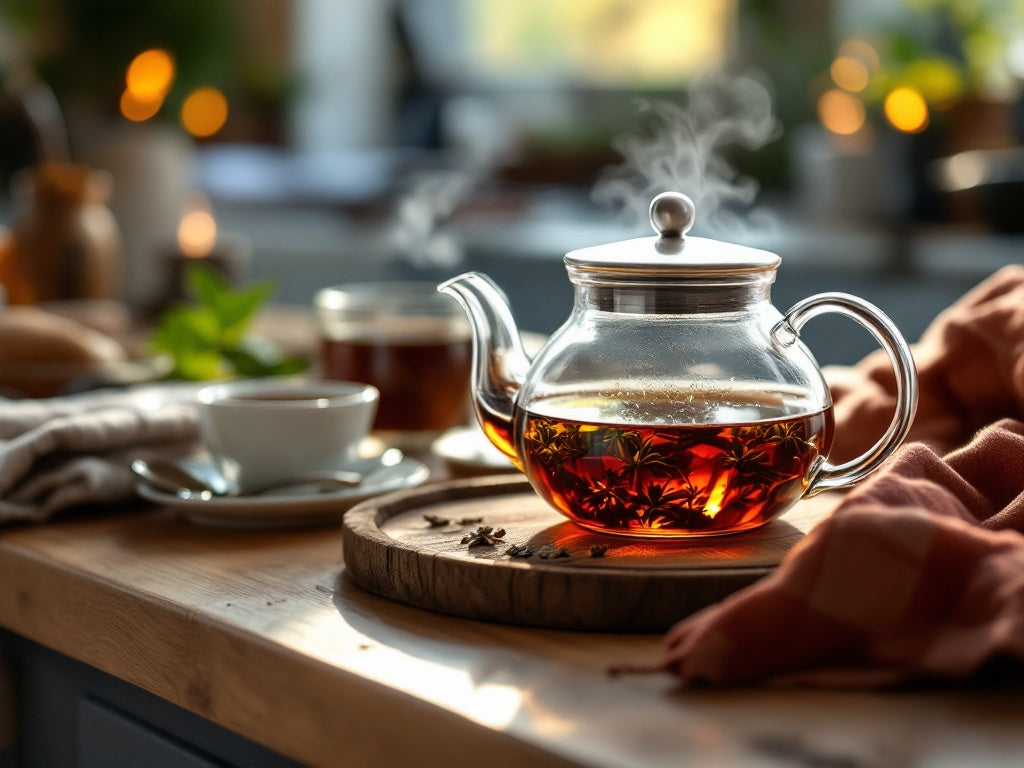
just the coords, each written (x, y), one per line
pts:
(786, 332)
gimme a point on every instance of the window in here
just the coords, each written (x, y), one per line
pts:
(597, 43)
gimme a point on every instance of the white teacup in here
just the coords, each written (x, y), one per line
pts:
(264, 431)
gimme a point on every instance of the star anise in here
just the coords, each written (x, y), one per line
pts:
(746, 460)
(436, 521)
(788, 437)
(485, 535)
(654, 502)
(598, 550)
(640, 455)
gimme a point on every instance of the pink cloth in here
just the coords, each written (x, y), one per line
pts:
(970, 365)
(919, 573)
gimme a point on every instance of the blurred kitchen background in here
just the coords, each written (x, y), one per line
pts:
(873, 144)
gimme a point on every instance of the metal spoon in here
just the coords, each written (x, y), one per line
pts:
(167, 475)
(170, 476)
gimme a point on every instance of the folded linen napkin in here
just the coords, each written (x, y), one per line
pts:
(919, 573)
(69, 451)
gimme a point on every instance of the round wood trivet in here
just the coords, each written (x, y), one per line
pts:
(392, 550)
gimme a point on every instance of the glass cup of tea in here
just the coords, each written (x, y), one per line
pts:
(410, 342)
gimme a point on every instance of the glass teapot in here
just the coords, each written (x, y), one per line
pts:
(676, 400)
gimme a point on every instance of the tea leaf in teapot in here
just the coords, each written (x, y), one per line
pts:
(639, 453)
(748, 459)
(689, 478)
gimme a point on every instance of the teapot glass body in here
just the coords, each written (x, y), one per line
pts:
(671, 403)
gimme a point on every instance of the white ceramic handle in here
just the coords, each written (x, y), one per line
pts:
(829, 476)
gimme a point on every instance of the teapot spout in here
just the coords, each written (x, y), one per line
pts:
(499, 361)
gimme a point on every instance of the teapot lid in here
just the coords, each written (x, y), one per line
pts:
(672, 253)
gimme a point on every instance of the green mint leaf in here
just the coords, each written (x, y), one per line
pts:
(200, 366)
(206, 284)
(239, 309)
(208, 339)
(184, 329)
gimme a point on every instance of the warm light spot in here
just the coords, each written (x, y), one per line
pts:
(197, 230)
(863, 52)
(501, 442)
(714, 505)
(138, 110)
(204, 112)
(840, 112)
(150, 75)
(906, 110)
(850, 74)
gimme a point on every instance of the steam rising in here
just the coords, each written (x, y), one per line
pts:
(682, 150)
(417, 235)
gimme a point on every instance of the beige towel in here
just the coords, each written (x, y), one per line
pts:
(73, 451)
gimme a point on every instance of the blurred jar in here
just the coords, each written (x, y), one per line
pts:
(65, 241)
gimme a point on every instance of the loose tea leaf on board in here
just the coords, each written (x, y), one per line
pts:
(519, 550)
(436, 521)
(552, 552)
(485, 535)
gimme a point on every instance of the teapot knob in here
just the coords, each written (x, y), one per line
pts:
(672, 214)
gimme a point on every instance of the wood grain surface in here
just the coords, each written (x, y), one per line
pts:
(638, 585)
(262, 633)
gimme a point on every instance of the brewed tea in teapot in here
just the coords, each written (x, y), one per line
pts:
(675, 401)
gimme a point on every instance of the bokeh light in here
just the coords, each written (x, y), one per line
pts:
(150, 75)
(204, 112)
(861, 51)
(906, 110)
(963, 171)
(197, 232)
(937, 80)
(850, 74)
(841, 112)
(147, 80)
(136, 110)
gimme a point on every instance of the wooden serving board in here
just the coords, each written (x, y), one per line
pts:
(639, 585)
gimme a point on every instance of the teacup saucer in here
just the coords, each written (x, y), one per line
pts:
(293, 506)
(467, 451)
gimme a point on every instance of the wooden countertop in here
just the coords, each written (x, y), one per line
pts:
(260, 632)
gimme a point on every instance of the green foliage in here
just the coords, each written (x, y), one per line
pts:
(210, 339)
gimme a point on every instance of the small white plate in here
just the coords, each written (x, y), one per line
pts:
(291, 507)
(466, 450)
